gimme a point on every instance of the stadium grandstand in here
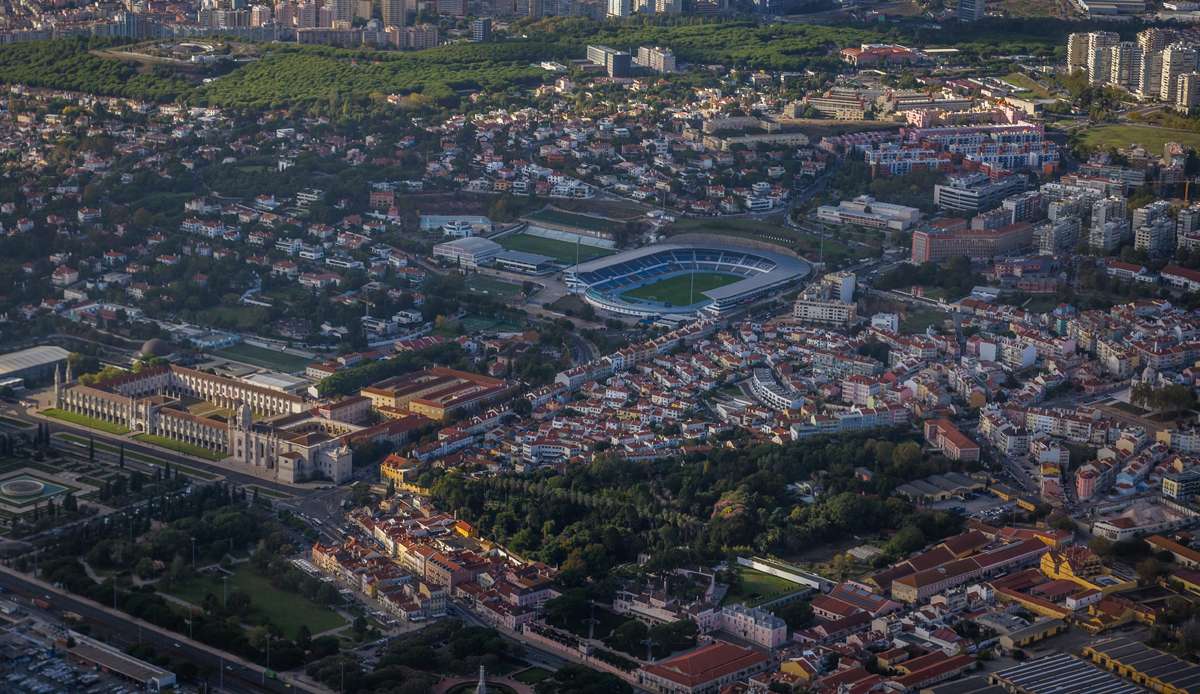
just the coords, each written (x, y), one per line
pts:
(677, 279)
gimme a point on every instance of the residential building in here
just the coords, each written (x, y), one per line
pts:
(976, 192)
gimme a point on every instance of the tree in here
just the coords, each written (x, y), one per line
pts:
(568, 609)
(577, 679)
(144, 568)
(1148, 570)
(906, 454)
(1101, 546)
(304, 637)
(69, 503)
(798, 614)
(360, 626)
(628, 637)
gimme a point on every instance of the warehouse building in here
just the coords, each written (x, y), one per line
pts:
(32, 365)
(1160, 672)
(1060, 673)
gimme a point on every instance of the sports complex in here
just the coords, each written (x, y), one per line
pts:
(680, 279)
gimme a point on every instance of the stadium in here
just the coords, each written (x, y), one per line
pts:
(678, 279)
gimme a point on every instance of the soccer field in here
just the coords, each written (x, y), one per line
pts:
(266, 358)
(677, 290)
(562, 251)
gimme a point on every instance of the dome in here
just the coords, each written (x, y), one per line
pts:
(155, 347)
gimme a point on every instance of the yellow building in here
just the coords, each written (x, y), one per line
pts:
(398, 469)
(1083, 567)
(1033, 633)
(1185, 580)
(1149, 667)
(436, 393)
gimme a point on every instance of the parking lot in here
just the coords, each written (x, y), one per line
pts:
(984, 506)
(31, 669)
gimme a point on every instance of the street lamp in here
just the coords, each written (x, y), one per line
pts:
(268, 667)
(193, 554)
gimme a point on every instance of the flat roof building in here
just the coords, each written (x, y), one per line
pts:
(468, 253)
(975, 192)
(524, 262)
(33, 364)
(1061, 673)
(109, 659)
(1149, 667)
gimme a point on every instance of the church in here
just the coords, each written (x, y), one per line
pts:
(264, 432)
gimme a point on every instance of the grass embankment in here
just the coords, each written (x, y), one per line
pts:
(562, 251)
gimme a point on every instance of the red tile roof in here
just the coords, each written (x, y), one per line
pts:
(706, 664)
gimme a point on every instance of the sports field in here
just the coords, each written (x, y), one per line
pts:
(579, 221)
(266, 358)
(483, 284)
(678, 290)
(562, 251)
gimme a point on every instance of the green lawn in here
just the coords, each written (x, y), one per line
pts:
(266, 358)
(288, 611)
(758, 587)
(85, 421)
(562, 251)
(532, 675)
(9, 421)
(1027, 83)
(180, 446)
(483, 284)
(1148, 136)
(917, 320)
(678, 290)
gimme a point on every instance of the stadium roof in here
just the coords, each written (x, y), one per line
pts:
(785, 265)
(473, 244)
(32, 358)
(524, 257)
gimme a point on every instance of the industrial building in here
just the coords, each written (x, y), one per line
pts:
(1160, 672)
(108, 659)
(1060, 673)
(33, 364)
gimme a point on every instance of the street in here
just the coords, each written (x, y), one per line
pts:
(236, 675)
